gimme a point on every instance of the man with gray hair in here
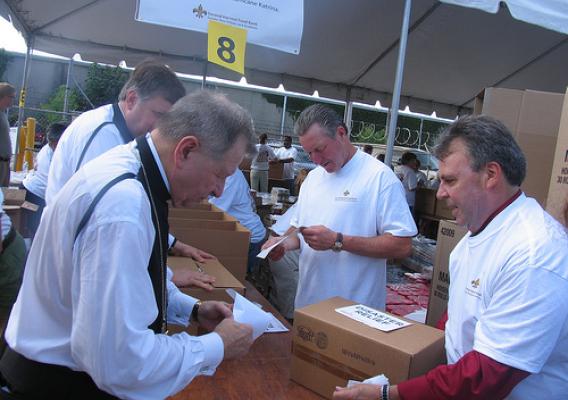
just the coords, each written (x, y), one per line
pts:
(507, 321)
(7, 96)
(92, 313)
(147, 95)
(349, 216)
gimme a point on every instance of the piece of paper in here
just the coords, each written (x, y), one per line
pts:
(380, 380)
(265, 252)
(374, 318)
(274, 325)
(248, 313)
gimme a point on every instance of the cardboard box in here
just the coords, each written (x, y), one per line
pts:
(425, 201)
(534, 119)
(14, 205)
(449, 234)
(442, 210)
(557, 201)
(330, 348)
(223, 279)
(275, 171)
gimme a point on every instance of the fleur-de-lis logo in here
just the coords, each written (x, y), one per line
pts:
(199, 11)
(475, 283)
(346, 193)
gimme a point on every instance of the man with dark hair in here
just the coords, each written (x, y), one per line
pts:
(7, 96)
(406, 172)
(507, 320)
(348, 215)
(368, 149)
(35, 181)
(92, 313)
(148, 94)
(287, 155)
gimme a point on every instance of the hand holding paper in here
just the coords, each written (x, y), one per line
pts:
(246, 312)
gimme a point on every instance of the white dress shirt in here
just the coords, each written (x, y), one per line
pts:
(36, 180)
(87, 303)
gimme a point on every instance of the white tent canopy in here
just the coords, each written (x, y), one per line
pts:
(452, 53)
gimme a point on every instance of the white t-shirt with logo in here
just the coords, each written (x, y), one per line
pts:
(364, 198)
(509, 298)
(283, 153)
(408, 177)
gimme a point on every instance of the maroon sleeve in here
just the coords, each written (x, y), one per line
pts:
(474, 376)
(442, 321)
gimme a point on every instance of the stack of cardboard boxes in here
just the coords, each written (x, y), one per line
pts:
(214, 231)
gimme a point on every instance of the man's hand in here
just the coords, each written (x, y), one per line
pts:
(318, 237)
(357, 392)
(278, 252)
(184, 250)
(211, 313)
(237, 338)
(185, 277)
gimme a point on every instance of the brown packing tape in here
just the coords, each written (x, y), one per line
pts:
(327, 364)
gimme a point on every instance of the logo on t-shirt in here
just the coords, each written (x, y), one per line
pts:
(472, 290)
(346, 196)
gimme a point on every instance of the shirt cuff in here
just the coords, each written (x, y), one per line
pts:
(214, 351)
(171, 240)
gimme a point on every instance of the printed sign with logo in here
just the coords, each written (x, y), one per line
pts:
(374, 318)
(270, 23)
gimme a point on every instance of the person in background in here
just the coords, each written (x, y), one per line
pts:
(506, 325)
(407, 174)
(35, 181)
(368, 149)
(90, 321)
(147, 95)
(341, 253)
(7, 96)
(421, 178)
(237, 202)
(287, 155)
(260, 165)
(12, 262)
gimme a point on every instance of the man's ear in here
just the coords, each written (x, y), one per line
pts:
(131, 99)
(184, 148)
(494, 174)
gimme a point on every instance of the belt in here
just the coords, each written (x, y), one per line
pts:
(8, 239)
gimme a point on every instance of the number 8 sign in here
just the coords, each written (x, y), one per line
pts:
(226, 46)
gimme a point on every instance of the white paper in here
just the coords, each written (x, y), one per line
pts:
(274, 325)
(248, 313)
(374, 318)
(380, 380)
(266, 251)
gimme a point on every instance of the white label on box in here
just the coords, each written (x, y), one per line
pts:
(373, 318)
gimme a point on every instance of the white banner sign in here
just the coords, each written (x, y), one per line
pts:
(277, 24)
(373, 318)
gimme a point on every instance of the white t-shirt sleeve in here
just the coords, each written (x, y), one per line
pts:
(524, 316)
(393, 214)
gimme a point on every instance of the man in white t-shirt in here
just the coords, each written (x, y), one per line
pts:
(507, 320)
(260, 165)
(237, 202)
(407, 174)
(348, 215)
(287, 155)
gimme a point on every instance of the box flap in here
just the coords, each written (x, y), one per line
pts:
(223, 278)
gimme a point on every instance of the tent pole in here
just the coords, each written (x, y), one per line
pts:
(22, 101)
(67, 87)
(204, 80)
(283, 115)
(348, 114)
(398, 82)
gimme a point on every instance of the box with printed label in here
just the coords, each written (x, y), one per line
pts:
(533, 118)
(449, 234)
(557, 201)
(330, 348)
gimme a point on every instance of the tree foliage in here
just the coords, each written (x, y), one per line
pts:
(103, 84)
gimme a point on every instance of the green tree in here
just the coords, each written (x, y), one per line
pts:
(103, 84)
(5, 59)
(57, 100)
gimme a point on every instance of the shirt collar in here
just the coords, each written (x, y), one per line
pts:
(158, 161)
(497, 212)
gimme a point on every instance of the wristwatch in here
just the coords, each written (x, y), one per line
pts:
(338, 245)
(195, 311)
